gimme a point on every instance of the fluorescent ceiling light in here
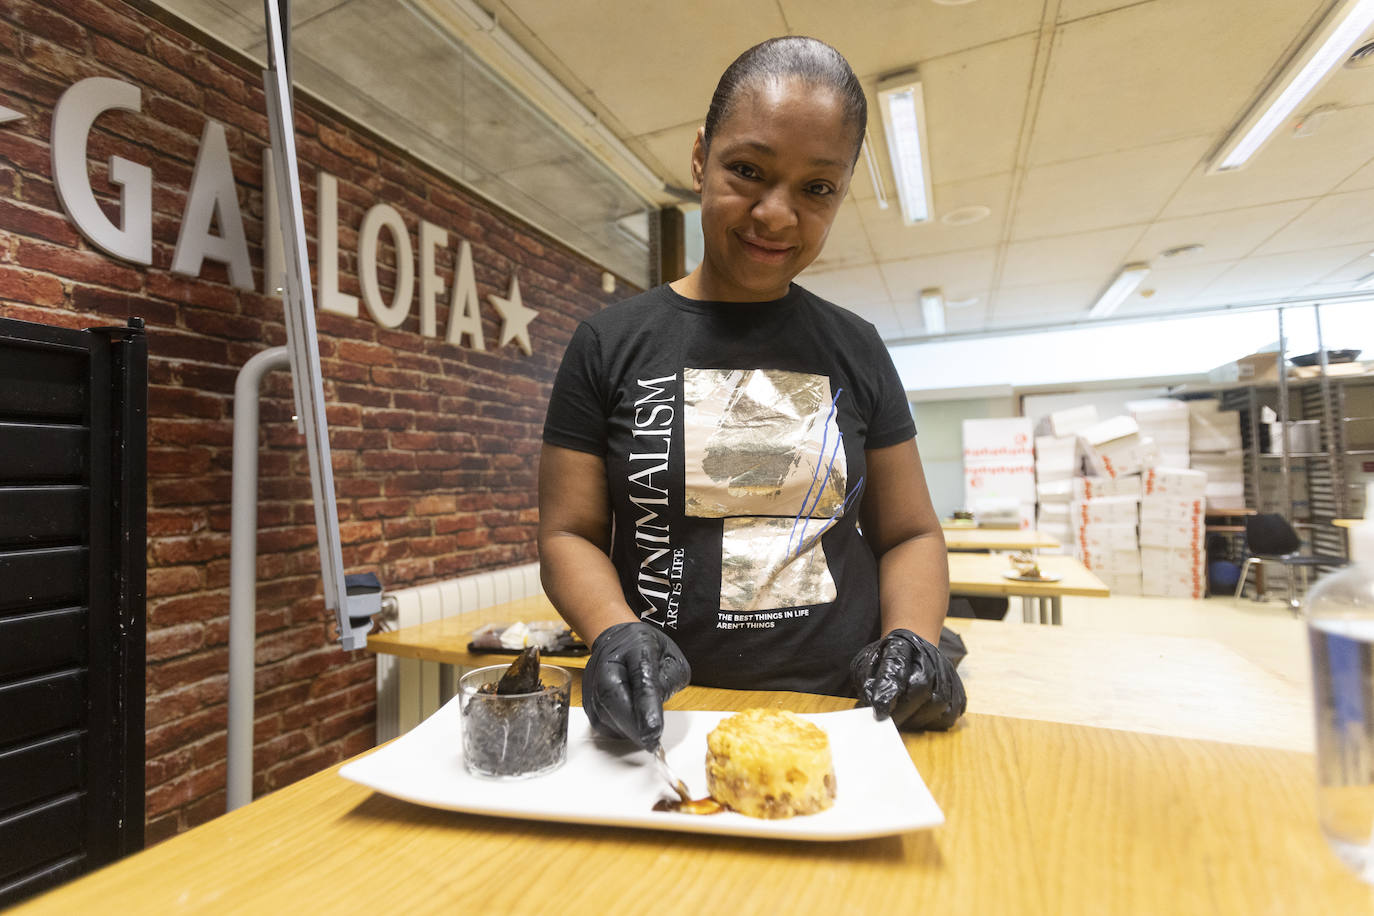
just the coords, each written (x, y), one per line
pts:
(904, 121)
(871, 161)
(1326, 47)
(1365, 282)
(1131, 276)
(933, 310)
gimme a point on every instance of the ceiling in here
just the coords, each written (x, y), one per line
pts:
(1082, 126)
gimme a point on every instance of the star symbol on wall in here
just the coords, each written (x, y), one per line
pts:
(9, 114)
(515, 318)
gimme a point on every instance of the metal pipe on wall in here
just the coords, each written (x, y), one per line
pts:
(243, 573)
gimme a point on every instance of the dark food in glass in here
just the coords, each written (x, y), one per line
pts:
(515, 725)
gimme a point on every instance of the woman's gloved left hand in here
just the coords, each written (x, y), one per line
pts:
(907, 678)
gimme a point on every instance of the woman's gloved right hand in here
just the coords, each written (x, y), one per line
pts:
(634, 667)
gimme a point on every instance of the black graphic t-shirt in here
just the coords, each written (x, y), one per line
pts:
(734, 437)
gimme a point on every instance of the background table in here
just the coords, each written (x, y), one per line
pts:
(983, 574)
(1042, 818)
(1186, 687)
(997, 539)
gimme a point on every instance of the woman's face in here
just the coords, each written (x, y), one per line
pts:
(771, 184)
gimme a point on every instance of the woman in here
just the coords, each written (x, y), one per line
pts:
(714, 446)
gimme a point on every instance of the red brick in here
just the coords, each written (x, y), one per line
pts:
(117, 22)
(39, 223)
(190, 491)
(184, 608)
(157, 829)
(186, 730)
(184, 290)
(145, 70)
(195, 549)
(359, 352)
(173, 580)
(167, 401)
(74, 264)
(170, 642)
(214, 324)
(30, 287)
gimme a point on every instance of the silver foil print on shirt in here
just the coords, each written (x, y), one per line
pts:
(761, 442)
(767, 563)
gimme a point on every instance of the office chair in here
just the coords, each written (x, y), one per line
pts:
(1268, 536)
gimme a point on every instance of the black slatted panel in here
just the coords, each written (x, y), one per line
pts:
(39, 770)
(44, 578)
(38, 706)
(42, 516)
(30, 643)
(35, 452)
(73, 416)
(33, 837)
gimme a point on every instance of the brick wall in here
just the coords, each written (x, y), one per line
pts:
(434, 446)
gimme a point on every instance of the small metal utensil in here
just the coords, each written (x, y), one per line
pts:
(667, 773)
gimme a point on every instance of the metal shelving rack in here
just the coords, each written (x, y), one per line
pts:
(1323, 398)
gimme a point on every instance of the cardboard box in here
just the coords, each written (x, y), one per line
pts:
(1098, 539)
(1111, 510)
(1073, 420)
(1086, 488)
(1054, 491)
(1168, 561)
(1112, 562)
(1157, 532)
(1180, 483)
(1255, 368)
(1124, 583)
(1115, 448)
(1167, 509)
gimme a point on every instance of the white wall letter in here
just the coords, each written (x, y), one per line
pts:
(327, 211)
(464, 314)
(213, 195)
(273, 248)
(72, 119)
(431, 284)
(379, 216)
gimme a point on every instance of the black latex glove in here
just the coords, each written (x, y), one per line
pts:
(633, 669)
(907, 678)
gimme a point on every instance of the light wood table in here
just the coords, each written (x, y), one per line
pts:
(997, 539)
(1186, 687)
(983, 574)
(1346, 522)
(1041, 818)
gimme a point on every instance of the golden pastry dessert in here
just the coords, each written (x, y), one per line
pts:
(769, 763)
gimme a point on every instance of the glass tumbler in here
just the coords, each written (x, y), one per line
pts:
(514, 735)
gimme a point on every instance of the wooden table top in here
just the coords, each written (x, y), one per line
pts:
(1346, 522)
(982, 574)
(1186, 687)
(997, 539)
(1041, 818)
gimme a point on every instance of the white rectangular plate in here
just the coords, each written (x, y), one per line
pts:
(878, 790)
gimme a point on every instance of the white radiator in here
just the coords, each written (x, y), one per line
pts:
(408, 690)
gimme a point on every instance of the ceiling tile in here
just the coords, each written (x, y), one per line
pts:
(1173, 287)
(1348, 274)
(1332, 221)
(891, 240)
(991, 81)
(1279, 275)
(1069, 10)
(848, 287)
(1225, 236)
(1363, 178)
(959, 274)
(879, 36)
(672, 146)
(1157, 71)
(1288, 168)
(1115, 189)
(847, 245)
(883, 317)
(650, 71)
(1021, 305)
(970, 317)
(1084, 256)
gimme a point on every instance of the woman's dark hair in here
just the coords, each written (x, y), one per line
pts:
(794, 56)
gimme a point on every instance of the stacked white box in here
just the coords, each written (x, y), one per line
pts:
(1167, 422)
(1056, 461)
(999, 467)
(1115, 448)
(1173, 528)
(1215, 448)
(1072, 421)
